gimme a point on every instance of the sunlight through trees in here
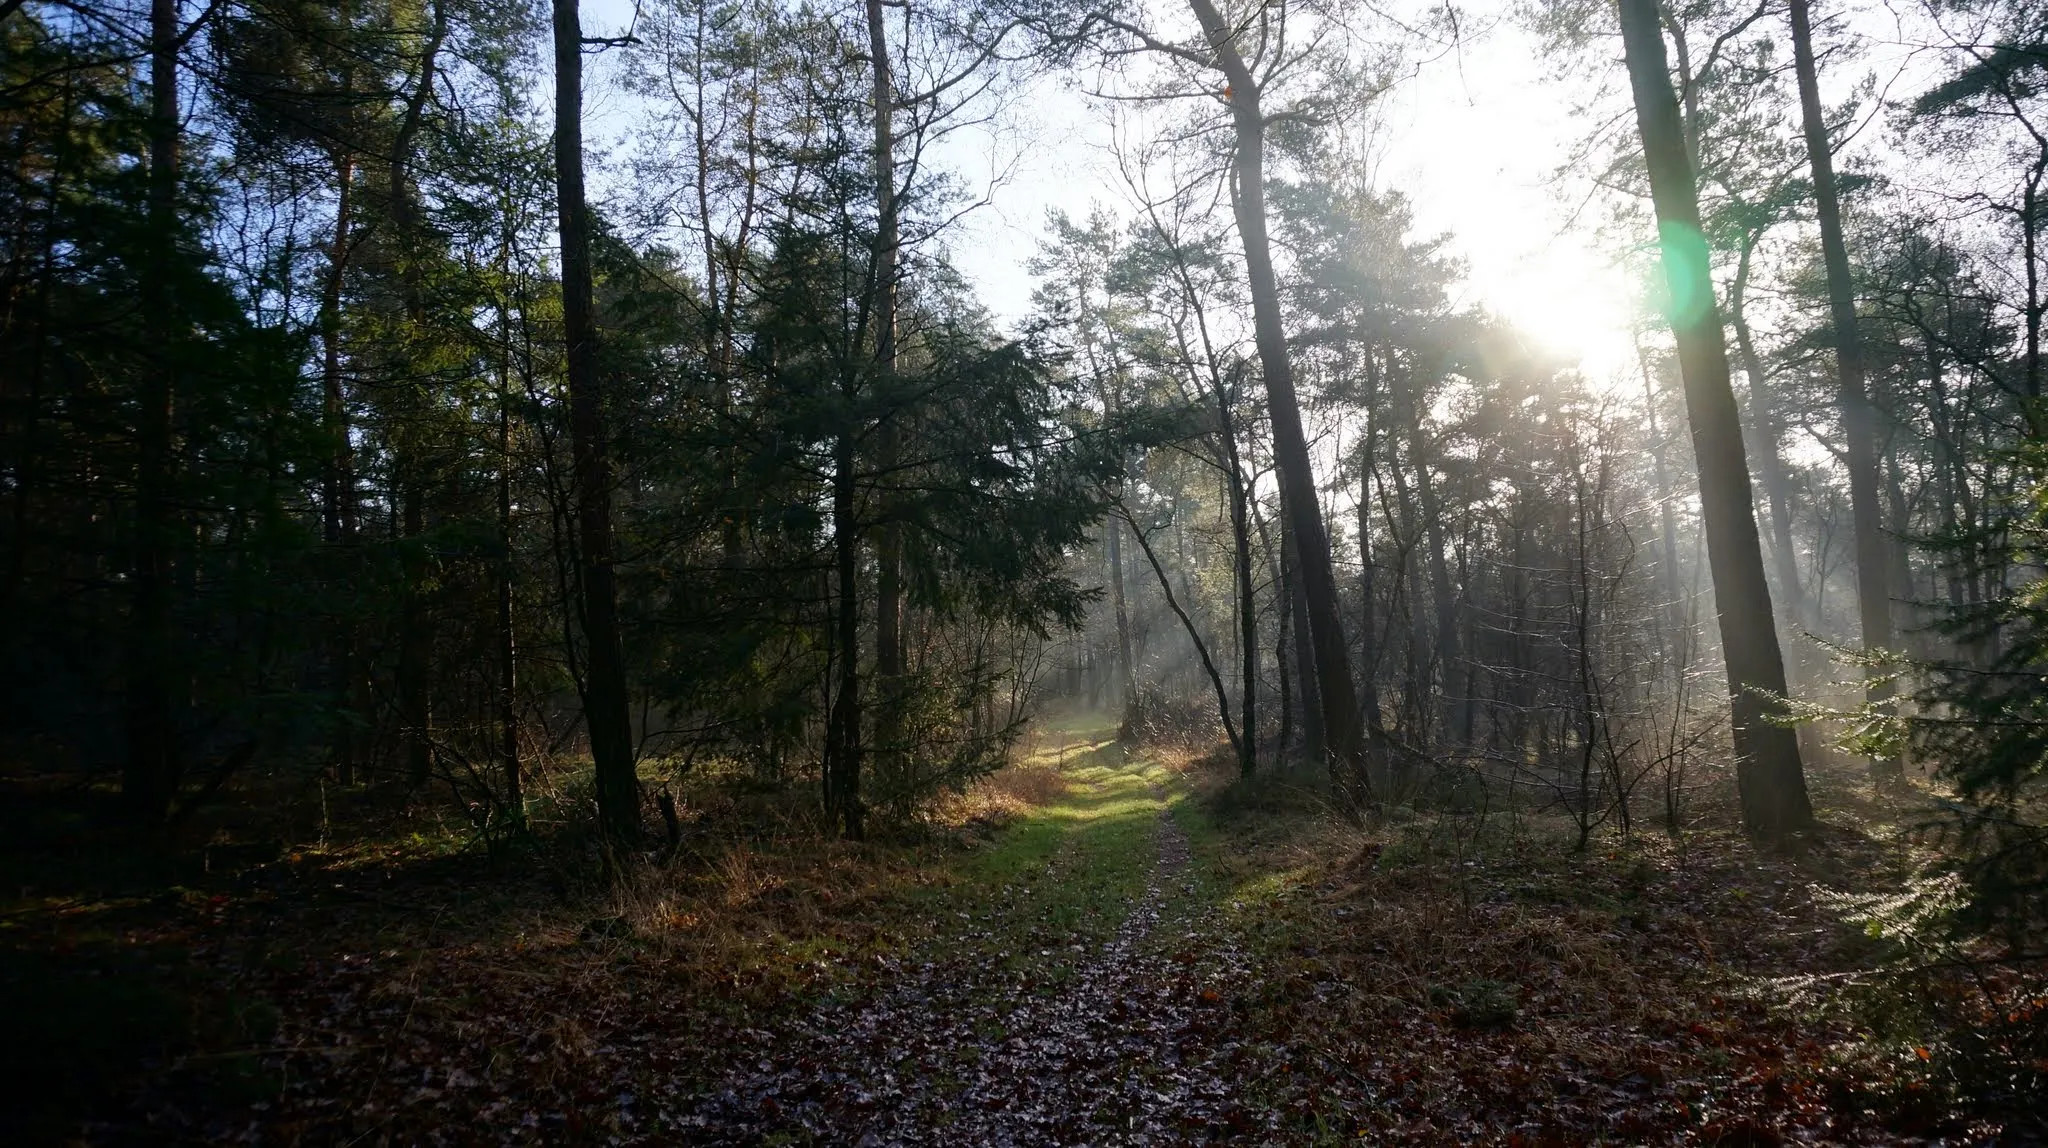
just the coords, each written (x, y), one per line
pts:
(601, 456)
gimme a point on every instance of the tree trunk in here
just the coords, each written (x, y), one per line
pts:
(888, 537)
(1444, 652)
(1769, 775)
(1952, 479)
(1126, 661)
(1247, 606)
(1589, 706)
(1339, 697)
(843, 737)
(605, 712)
(336, 504)
(1763, 429)
(1418, 716)
(1283, 646)
(338, 488)
(1127, 678)
(508, 638)
(1900, 582)
(150, 775)
(1194, 636)
(1368, 571)
(338, 493)
(2030, 231)
(1313, 744)
(415, 639)
(1873, 592)
(1667, 528)
(1283, 619)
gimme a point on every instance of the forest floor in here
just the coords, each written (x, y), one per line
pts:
(1101, 947)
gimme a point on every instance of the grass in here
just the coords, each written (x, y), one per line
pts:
(1067, 870)
(1059, 843)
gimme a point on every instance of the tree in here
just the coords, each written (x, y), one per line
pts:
(1772, 780)
(1276, 59)
(1187, 358)
(148, 426)
(1375, 328)
(153, 770)
(888, 245)
(605, 713)
(1873, 594)
(1991, 103)
(1344, 735)
(1079, 294)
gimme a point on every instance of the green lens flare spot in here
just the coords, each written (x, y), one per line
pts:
(1688, 277)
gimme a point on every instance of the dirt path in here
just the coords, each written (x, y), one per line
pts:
(1124, 1041)
(1086, 975)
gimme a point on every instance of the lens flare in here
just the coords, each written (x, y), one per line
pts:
(1570, 301)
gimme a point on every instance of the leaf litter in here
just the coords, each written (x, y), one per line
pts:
(1131, 1046)
(1513, 997)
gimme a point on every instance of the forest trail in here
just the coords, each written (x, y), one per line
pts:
(1137, 955)
(1087, 1003)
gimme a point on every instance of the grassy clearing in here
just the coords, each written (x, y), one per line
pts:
(1066, 873)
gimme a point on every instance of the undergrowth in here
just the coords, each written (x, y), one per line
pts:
(352, 939)
(1629, 992)
(1462, 966)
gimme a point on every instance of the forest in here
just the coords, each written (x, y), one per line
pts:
(1016, 572)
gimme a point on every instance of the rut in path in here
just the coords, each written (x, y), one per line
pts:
(1133, 1048)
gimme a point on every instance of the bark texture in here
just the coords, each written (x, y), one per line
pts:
(1343, 730)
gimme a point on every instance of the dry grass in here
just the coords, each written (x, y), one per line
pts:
(799, 912)
(1023, 786)
(1195, 763)
(769, 922)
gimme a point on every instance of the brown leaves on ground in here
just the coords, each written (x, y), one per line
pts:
(414, 998)
(1483, 984)
(1293, 980)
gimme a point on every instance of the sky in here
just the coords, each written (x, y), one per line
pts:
(1472, 138)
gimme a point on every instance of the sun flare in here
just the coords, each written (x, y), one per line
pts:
(1571, 302)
